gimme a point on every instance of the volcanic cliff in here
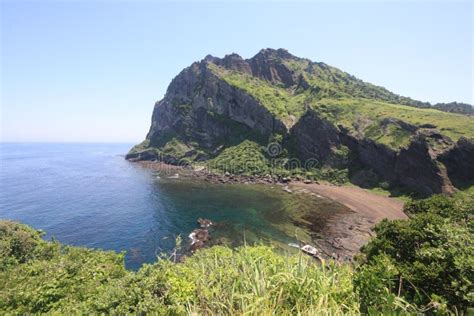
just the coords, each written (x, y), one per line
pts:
(313, 112)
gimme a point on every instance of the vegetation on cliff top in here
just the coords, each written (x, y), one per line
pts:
(362, 115)
(276, 99)
(423, 264)
(346, 102)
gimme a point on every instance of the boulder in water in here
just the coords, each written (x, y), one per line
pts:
(204, 223)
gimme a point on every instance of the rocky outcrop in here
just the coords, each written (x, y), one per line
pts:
(201, 108)
(202, 113)
(267, 65)
(459, 162)
(200, 236)
(418, 169)
(144, 155)
(314, 138)
(371, 155)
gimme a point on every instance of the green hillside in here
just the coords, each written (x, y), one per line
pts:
(367, 116)
(328, 94)
(279, 101)
(363, 112)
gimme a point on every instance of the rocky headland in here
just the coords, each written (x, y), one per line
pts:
(319, 120)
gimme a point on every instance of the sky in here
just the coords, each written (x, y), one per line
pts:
(83, 71)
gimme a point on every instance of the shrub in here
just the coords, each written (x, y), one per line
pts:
(246, 158)
(431, 256)
(20, 244)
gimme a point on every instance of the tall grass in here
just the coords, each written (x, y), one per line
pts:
(257, 281)
(37, 276)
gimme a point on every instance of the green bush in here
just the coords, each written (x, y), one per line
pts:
(245, 158)
(375, 283)
(20, 243)
(458, 209)
(431, 256)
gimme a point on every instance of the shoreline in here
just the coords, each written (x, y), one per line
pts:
(343, 235)
(346, 234)
(364, 202)
(373, 206)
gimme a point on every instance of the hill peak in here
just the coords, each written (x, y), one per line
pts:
(270, 53)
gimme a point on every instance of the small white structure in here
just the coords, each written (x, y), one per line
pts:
(310, 250)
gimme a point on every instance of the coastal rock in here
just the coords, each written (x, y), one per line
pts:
(314, 139)
(204, 223)
(459, 162)
(217, 103)
(198, 238)
(287, 189)
(200, 107)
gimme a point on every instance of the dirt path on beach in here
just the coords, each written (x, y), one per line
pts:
(368, 204)
(344, 234)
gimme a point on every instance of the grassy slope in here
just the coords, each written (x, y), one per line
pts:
(348, 111)
(249, 158)
(342, 108)
(245, 158)
(344, 100)
(279, 101)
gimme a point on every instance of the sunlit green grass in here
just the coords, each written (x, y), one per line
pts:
(256, 281)
(277, 100)
(359, 115)
(348, 111)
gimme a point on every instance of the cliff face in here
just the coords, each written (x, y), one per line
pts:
(206, 112)
(314, 111)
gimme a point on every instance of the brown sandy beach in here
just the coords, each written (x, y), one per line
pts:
(363, 202)
(343, 235)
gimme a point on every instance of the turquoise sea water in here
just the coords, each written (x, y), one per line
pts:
(89, 195)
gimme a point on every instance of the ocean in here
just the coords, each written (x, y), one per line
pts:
(89, 195)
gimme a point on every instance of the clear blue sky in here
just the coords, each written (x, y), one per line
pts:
(92, 71)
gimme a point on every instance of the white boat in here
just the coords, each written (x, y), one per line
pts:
(310, 250)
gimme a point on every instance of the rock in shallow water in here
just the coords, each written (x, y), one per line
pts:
(204, 223)
(200, 236)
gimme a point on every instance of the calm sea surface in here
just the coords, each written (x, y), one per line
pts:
(89, 195)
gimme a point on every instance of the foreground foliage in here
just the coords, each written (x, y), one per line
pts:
(427, 260)
(217, 280)
(423, 264)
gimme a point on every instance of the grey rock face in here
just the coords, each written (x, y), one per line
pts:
(459, 162)
(201, 108)
(314, 138)
(266, 65)
(418, 170)
(205, 114)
